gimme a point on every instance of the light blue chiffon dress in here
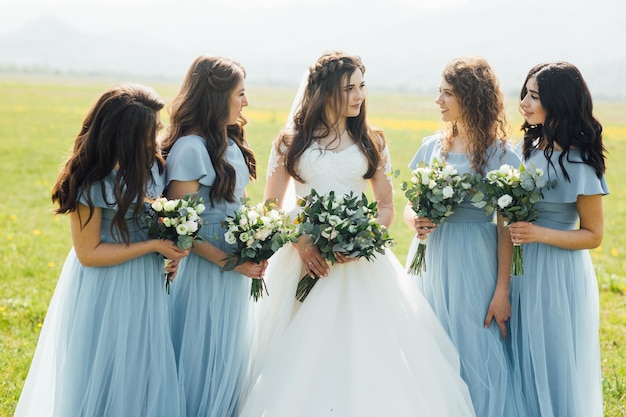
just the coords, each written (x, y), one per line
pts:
(105, 348)
(459, 283)
(209, 307)
(555, 316)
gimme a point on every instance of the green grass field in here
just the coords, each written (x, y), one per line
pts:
(40, 117)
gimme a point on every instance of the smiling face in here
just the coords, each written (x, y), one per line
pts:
(448, 102)
(531, 106)
(238, 101)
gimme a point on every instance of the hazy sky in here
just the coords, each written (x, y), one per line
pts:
(589, 33)
(122, 14)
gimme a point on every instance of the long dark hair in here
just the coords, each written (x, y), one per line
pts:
(482, 106)
(569, 121)
(202, 107)
(119, 132)
(323, 95)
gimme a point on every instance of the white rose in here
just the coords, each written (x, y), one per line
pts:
(182, 229)
(261, 234)
(505, 201)
(230, 238)
(192, 225)
(243, 221)
(274, 214)
(191, 213)
(170, 205)
(448, 192)
(448, 171)
(244, 237)
(253, 216)
(432, 184)
(200, 208)
(158, 204)
(167, 222)
(505, 169)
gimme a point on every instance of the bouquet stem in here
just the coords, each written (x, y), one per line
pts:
(418, 263)
(517, 261)
(166, 262)
(305, 285)
(257, 287)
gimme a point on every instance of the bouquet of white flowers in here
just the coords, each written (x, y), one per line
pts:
(176, 220)
(257, 232)
(340, 224)
(434, 191)
(513, 193)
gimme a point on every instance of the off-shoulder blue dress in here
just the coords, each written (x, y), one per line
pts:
(555, 316)
(459, 283)
(209, 308)
(105, 348)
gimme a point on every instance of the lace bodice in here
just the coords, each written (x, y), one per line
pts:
(325, 171)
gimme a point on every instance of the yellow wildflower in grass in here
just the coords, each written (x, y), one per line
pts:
(9, 238)
(51, 264)
(13, 217)
(614, 252)
(406, 124)
(2, 308)
(614, 132)
(265, 116)
(37, 232)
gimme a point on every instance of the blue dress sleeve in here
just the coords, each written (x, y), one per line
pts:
(425, 152)
(188, 160)
(583, 181)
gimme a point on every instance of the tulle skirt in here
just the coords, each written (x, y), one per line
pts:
(211, 333)
(459, 283)
(555, 332)
(364, 343)
(105, 347)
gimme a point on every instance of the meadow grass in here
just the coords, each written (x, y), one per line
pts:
(40, 117)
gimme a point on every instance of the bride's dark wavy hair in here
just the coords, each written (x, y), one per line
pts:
(322, 105)
(202, 107)
(119, 132)
(482, 106)
(569, 122)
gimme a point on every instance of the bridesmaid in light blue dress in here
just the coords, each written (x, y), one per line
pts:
(555, 317)
(207, 154)
(105, 347)
(468, 256)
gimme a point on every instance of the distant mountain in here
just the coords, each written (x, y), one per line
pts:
(52, 43)
(402, 48)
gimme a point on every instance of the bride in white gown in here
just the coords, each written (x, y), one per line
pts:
(364, 342)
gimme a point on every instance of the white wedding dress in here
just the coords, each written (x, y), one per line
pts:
(364, 342)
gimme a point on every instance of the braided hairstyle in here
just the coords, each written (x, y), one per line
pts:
(482, 107)
(202, 107)
(323, 107)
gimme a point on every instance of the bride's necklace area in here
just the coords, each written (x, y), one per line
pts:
(337, 142)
